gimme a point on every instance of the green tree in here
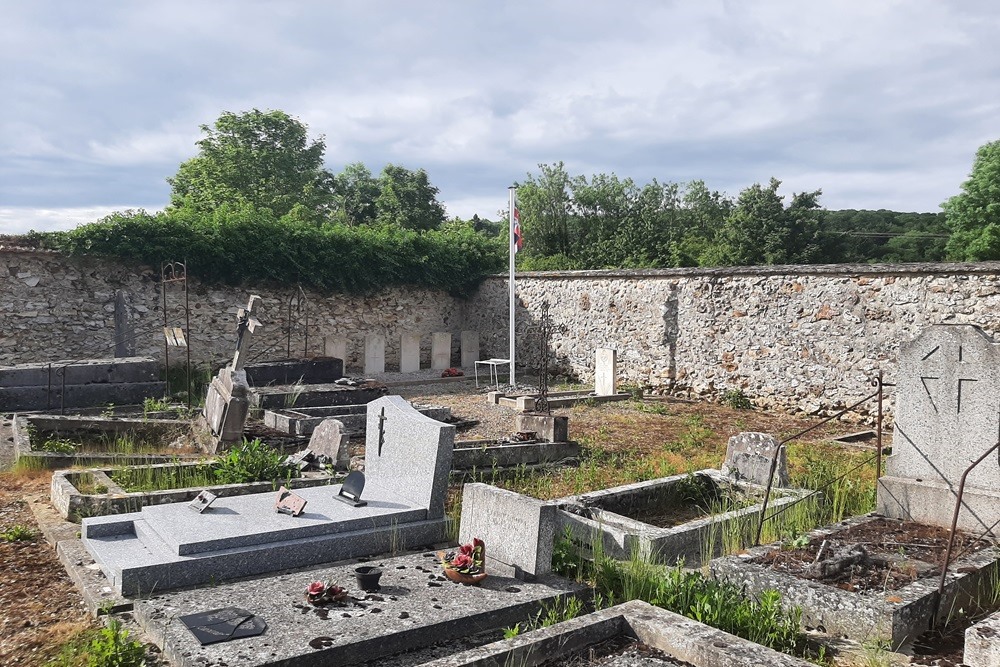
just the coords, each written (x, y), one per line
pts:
(259, 158)
(546, 210)
(357, 190)
(760, 230)
(974, 214)
(407, 199)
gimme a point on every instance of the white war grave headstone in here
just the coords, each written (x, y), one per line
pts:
(227, 401)
(947, 417)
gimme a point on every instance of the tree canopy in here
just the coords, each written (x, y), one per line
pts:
(259, 158)
(974, 214)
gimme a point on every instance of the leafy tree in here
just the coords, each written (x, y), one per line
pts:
(974, 214)
(760, 230)
(259, 158)
(407, 199)
(546, 211)
(357, 190)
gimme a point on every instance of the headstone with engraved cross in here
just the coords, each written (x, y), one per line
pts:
(227, 402)
(947, 416)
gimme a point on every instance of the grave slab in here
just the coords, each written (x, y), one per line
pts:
(170, 546)
(302, 421)
(416, 607)
(291, 371)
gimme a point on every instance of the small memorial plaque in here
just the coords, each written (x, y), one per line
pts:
(350, 490)
(222, 625)
(289, 503)
(202, 501)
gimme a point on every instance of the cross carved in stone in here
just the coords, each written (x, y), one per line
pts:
(942, 378)
(246, 325)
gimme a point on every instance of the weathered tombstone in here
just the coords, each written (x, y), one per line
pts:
(408, 454)
(947, 417)
(606, 372)
(440, 351)
(749, 457)
(374, 353)
(409, 353)
(329, 439)
(470, 348)
(336, 347)
(227, 402)
(124, 331)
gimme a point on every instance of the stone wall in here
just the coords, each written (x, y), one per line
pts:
(807, 338)
(54, 307)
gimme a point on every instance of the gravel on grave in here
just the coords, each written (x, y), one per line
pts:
(415, 607)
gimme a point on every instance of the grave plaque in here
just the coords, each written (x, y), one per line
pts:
(749, 456)
(374, 354)
(350, 490)
(409, 353)
(440, 351)
(289, 503)
(202, 502)
(223, 625)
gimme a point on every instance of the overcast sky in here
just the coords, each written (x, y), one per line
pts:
(881, 104)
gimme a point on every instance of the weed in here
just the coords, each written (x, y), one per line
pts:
(512, 631)
(154, 405)
(736, 399)
(58, 446)
(109, 411)
(18, 533)
(292, 398)
(113, 648)
(252, 461)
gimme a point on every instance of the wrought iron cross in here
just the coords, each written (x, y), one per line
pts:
(381, 430)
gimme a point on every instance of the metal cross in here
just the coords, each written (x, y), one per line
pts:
(381, 430)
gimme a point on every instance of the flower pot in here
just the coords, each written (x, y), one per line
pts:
(368, 577)
(467, 579)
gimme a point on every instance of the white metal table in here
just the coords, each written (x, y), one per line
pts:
(492, 364)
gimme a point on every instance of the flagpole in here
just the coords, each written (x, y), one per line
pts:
(510, 281)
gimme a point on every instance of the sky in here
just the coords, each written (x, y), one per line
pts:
(878, 103)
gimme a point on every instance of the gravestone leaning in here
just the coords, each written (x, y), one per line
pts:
(227, 402)
(947, 416)
(330, 439)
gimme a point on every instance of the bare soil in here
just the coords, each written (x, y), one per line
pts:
(40, 608)
(895, 554)
(615, 652)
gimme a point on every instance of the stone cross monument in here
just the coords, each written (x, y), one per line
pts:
(228, 402)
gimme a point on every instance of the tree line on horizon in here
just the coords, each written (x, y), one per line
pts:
(258, 193)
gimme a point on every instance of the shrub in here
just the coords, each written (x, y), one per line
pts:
(252, 461)
(736, 399)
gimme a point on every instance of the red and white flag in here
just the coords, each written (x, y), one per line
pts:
(518, 240)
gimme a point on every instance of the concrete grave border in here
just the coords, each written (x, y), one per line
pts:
(899, 616)
(679, 637)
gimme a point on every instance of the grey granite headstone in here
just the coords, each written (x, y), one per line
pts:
(749, 456)
(947, 416)
(408, 453)
(518, 531)
(329, 439)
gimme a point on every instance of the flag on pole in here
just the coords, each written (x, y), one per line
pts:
(518, 239)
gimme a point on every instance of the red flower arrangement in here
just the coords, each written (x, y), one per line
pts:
(319, 593)
(468, 564)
